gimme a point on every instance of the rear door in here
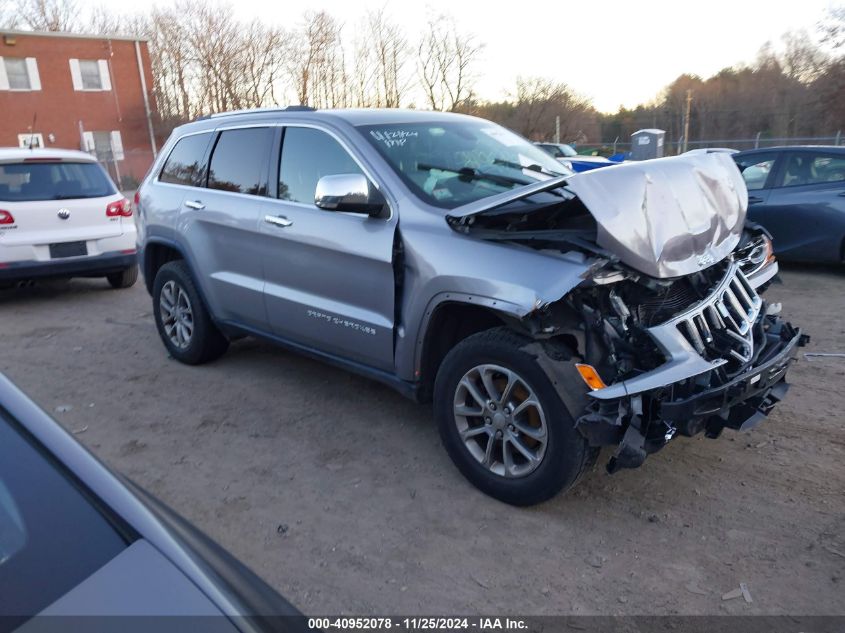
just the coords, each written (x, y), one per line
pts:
(221, 224)
(55, 201)
(184, 171)
(806, 205)
(329, 280)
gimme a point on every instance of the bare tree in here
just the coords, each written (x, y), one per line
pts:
(832, 27)
(264, 53)
(364, 84)
(390, 51)
(102, 21)
(801, 58)
(317, 67)
(216, 47)
(540, 101)
(8, 14)
(445, 60)
(171, 57)
(49, 15)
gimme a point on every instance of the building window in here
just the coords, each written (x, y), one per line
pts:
(90, 74)
(106, 146)
(89, 71)
(31, 141)
(16, 72)
(19, 73)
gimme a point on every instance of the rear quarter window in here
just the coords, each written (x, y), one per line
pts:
(186, 163)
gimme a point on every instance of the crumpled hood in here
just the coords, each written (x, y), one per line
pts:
(666, 217)
(669, 216)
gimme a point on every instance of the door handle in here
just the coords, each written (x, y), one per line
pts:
(277, 220)
(842, 193)
(194, 204)
(754, 199)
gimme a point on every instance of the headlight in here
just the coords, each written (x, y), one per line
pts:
(756, 255)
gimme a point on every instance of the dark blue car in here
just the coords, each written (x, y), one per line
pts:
(798, 194)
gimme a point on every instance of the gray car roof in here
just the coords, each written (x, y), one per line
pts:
(349, 116)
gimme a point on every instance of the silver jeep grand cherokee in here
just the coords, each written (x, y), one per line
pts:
(545, 314)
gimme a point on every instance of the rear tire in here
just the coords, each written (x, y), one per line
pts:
(126, 278)
(559, 454)
(182, 320)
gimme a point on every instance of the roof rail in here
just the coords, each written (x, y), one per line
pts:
(293, 108)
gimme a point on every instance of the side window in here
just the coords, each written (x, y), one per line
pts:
(185, 164)
(307, 156)
(830, 168)
(805, 168)
(240, 159)
(756, 169)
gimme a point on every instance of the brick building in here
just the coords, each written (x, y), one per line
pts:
(85, 92)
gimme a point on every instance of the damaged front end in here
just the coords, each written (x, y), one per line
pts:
(700, 354)
(668, 321)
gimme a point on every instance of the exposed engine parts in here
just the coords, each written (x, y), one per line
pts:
(639, 334)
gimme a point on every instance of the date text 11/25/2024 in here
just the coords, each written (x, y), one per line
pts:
(419, 623)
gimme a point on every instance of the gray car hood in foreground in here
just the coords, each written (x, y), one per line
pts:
(666, 217)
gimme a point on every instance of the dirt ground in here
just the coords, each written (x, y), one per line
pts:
(337, 491)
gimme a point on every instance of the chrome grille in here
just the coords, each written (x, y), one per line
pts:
(722, 325)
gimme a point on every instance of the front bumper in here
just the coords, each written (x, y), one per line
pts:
(642, 423)
(96, 266)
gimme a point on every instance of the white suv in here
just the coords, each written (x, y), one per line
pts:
(62, 216)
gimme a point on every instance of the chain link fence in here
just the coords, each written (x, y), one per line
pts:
(677, 147)
(126, 168)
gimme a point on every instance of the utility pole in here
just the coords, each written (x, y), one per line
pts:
(686, 121)
(557, 129)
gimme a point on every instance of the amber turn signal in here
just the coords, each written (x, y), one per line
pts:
(590, 376)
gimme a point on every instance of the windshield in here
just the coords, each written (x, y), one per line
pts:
(448, 164)
(31, 181)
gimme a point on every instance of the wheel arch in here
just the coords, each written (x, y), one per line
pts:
(447, 322)
(156, 253)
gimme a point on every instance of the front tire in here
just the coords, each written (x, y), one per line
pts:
(126, 278)
(502, 422)
(182, 320)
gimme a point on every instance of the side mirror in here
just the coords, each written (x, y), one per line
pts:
(349, 192)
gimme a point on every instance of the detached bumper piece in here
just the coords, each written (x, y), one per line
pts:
(644, 423)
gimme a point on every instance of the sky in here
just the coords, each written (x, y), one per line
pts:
(616, 52)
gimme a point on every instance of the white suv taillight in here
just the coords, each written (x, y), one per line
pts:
(121, 208)
(6, 217)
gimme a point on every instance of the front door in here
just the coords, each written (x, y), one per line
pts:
(806, 207)
(329, 282)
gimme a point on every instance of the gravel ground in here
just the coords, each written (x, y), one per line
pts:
(337, 491)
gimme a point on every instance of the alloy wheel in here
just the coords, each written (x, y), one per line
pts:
(177, 315)
(500, 420)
